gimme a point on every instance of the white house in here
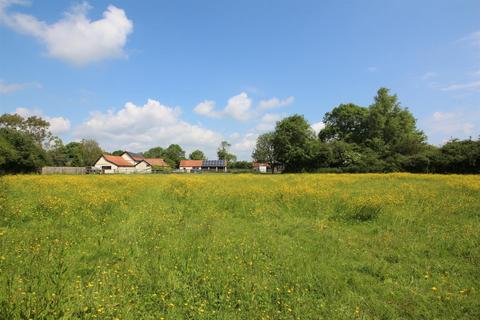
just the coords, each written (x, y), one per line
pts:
(128, 162)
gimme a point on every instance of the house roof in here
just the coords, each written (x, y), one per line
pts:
(117, 160)
(156, 162)
(191, 163)
(135, 156)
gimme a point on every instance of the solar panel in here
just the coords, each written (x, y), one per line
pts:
(213, 163)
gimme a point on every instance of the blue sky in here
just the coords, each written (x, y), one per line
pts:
(137, 74)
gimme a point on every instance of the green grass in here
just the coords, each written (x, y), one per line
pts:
(304, 246)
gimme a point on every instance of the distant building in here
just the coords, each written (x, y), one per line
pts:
(189, 165)
(203, 165)
(261, 167)
(128, 162)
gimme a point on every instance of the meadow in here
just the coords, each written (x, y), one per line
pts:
(306, 246)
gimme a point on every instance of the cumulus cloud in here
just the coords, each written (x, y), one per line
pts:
(7, 88)
(58, 125)
(453, 124)
(238, 107)
(243, 145)
(207, 108)
(318, 126)
(268, 121)
(74, 38)
(275, 103)
(142, 127)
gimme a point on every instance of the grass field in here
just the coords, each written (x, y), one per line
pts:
(374, 246)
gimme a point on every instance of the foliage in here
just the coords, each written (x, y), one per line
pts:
(117, 152)
(240, 165)
(156, 152)
(197, 155)
(36, 127)
(389, 246)
(223, 152)
(19, 152)
(173, 154)
(294, 143)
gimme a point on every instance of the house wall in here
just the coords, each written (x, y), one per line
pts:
(128, 158)
(102, 162)
(188, 169)
(143, 167)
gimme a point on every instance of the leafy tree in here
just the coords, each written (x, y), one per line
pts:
(265, 150)
(294, 143)
(241, 165)
(393, 126)
(173, 154)
(74, 155)
(117, 152)
(90, 151)
(57, 153)
(36, 127)
(157, 152)
(347, 122)
(197, 155)
(223, 152)
(19, 152)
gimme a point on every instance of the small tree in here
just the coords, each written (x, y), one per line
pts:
(264, 150)
(90, 151)
(197, 155)
(223, 152)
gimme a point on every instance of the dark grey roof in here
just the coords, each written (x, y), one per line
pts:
(214, 163)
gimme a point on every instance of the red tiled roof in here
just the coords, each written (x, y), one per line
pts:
(156, 162)
(191, 163)
(118, 161)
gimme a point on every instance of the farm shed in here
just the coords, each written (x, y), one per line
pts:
(189, 165)
(214, 165)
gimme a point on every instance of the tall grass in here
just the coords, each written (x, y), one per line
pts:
(371, 246)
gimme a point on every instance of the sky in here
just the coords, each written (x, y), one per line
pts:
(138, 74)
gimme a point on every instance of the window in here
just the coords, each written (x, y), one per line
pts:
(106, 167)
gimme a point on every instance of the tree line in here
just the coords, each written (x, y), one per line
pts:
(382, 137)
(26, 145)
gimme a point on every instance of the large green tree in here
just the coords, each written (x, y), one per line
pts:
(173, 154)
(156, 152)
(294, 143)
(20, 152)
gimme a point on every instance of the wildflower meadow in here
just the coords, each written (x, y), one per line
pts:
(224, 246)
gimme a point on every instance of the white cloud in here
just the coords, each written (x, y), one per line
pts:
(242, 146)
(141, 127)
(372, 69)
(74, 38)
(453, 124)
(469, 86)
(207, 108)
(317, 127)
(238, 107)
(268, 122)
(275, 103)
(58, 125)
(7, 88)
